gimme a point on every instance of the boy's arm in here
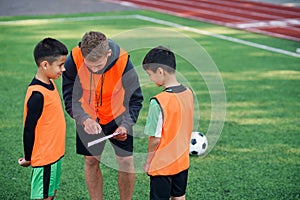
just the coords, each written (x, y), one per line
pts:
(153, 129)
(34, 111)
(153, 143)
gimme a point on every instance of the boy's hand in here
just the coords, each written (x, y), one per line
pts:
(23, 162)
(123, 134)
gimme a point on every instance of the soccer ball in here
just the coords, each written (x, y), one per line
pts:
(198, 143)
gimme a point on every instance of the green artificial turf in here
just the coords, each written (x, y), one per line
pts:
(256, 152)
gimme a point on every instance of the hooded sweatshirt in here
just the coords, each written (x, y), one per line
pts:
(75, 90)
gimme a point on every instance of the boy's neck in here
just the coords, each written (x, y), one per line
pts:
(40, 75)
(171, 83)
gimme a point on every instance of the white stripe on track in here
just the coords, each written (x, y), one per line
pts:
(238, 7)
(188, 8)
(209, 5)
(262, 7)
(130, 4)
(156, 21)
(271, 23)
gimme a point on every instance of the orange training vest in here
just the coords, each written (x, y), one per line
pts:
(172, 153)
(50, 131)
(103, 94)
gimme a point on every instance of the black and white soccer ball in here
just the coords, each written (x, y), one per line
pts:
(198, 143)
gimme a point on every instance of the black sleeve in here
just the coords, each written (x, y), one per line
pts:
(133, 96)
(34, 111)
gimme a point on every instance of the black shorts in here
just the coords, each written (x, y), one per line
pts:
(121, 148)
(163, 187)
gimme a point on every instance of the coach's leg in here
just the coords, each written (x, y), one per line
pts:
(93, 177)
(178, 198)
(126, 179)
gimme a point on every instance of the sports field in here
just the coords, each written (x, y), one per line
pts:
(247, 89)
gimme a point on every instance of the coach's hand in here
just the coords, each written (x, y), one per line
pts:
(91, 126)
(123, 134)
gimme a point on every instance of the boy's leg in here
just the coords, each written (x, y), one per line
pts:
(56, 169)
(93, 177)
(45, 180)
(164, 187)
(179, 184)
(49, 198)
(160, 187)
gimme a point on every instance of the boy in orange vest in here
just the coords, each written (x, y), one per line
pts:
(169, 126)
(44, 123)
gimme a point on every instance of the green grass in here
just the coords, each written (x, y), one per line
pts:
(257, 155)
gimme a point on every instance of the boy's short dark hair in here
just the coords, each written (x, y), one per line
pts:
(160, 57)
(49, 49)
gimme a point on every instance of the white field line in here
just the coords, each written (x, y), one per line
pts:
(223, 37)
(68, 19)
(157, 21)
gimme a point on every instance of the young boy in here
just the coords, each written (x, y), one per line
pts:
(44, 122)
(169, 127)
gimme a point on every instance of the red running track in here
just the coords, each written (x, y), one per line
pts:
(270, 19)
